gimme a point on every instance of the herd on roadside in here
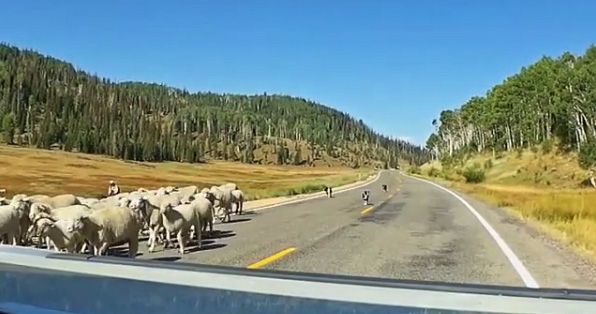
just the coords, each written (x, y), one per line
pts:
(90, 225)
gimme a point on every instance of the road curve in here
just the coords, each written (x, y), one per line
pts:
(415, 231)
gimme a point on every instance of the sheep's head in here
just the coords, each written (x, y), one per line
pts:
(124, 202)
(73, 227)
(187, 199)
(162, 191)
(37, 208)
(23, 206)
(171, 189)
(166, 208)
(138, 203)
(207, 195)
(44, 225)
(77, 224)
(85, 222)
(18, 197)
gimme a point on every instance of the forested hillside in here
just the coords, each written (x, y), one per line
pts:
(48, 103)
(551, 101)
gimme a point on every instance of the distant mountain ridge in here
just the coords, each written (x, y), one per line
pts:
(46, 102)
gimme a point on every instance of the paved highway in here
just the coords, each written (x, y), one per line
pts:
(416, 231)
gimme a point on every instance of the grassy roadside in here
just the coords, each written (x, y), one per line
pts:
(33, 171)
(555, 204)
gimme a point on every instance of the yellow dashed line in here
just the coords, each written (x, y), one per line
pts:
(366, 210)
(271, 259)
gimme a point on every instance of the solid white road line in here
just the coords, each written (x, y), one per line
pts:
(517, 264)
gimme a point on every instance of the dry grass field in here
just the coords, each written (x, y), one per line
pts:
(33, 171)
(544, 189)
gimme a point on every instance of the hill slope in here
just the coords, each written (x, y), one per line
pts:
(48, 103)
(553, 99)
(34, 171)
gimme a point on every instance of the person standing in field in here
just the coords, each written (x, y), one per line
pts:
(113, 188)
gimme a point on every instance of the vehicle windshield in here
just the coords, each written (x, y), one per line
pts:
(452, 143)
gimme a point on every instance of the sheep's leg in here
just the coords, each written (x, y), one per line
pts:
(102, 248)
(152, 234)
(229, 213)
(192, 232)
(241, 207)
(199, 237)
(168, 239)
(181, 240)
(160, 236)
(133, 247)
(14, 239)
(151, 238)
(81, 248)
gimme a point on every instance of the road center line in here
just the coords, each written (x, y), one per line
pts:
(271, 259)
(366, 210)
(517, 264)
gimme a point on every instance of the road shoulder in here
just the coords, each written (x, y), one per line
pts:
(552, 263)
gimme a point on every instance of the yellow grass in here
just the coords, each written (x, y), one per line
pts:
(543, 189)
(569, 215)
(33, 171)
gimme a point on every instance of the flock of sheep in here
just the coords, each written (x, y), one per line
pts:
(90, 225)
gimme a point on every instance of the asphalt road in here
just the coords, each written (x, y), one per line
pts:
(415, 231)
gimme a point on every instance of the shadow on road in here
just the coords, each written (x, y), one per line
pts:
(250, 213)
(220, 234)
(238, 221)
(120, 252)
(167, 258)
(206, 247)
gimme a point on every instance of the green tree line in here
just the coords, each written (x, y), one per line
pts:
(48, 103)
(552, 100)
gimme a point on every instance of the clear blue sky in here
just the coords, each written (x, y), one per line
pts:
(394, 64)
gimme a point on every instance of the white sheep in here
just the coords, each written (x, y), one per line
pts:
(238, 200)
(188, 191)
(179, 220)
(171, 189)
(67, 212)
(61, 234)
(151, 217)
(224, 201)
(10, 219)
(64, 213)
(87, 201)
(109, 226)
(55, 201)
(204, 206)
(231, 186)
